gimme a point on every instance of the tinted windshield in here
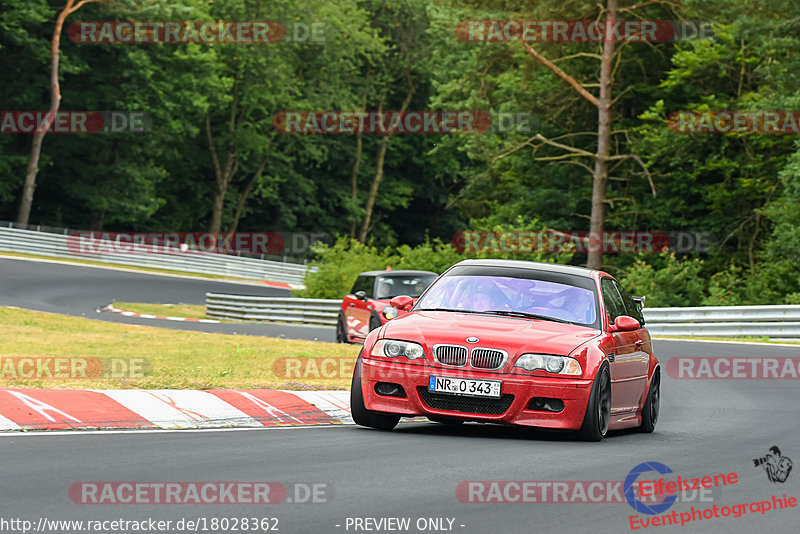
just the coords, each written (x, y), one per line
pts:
(476, 293)
(410, 285)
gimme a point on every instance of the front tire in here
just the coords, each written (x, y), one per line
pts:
(341, 330)
(362, 416)
(598, 410)
(374, 322)
(652, 404)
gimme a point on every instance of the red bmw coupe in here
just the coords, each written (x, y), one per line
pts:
(513, 342)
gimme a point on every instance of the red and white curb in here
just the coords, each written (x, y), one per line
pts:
(283, 285)
(59, 409)
(111, 308)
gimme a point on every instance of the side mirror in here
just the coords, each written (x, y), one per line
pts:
(360, 295)
(624, 323)
(402, 303)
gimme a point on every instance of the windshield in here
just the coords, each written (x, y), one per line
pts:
(477, 293)
(409, 285)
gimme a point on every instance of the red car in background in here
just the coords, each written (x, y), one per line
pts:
(513, 342)
(367, 306)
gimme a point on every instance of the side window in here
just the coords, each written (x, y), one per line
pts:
(363, 283)
(630, 305)
(612, 300)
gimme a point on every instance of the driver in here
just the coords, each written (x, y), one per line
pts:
(482, 295)
(580, 304)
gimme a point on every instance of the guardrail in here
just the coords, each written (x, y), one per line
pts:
(55, 245)
(777, 322)
(782, 322)
(248, 308)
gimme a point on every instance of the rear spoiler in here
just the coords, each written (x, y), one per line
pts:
(639, 301)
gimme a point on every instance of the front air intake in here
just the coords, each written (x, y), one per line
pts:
(450, 355)
(488, 358)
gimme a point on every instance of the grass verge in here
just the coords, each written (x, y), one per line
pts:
(178, 359)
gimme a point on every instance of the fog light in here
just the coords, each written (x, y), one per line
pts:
(389, 389)
(544, 404)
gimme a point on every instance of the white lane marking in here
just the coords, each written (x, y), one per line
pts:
(170, 408)
(157, 430)
(334, 403)
(30, 433)
(761, 344)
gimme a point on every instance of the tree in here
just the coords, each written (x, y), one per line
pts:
(540, 169)
(401, 66)
(603, 102)
(26, 200)
(264, 80)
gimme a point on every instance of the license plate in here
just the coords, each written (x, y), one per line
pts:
(464, 386)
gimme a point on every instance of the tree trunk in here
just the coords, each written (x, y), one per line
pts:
(222, 176)
(601, 156)
(354, 180)
(600, 174)
(96, 224)
(373, 190)
(376, 182)
(357, 163)
(26, 200)
(216, 213)
(247, 190)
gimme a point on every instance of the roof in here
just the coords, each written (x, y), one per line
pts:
(398, 272)
(532, 265)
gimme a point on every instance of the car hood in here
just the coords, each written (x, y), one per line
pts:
(512, 334)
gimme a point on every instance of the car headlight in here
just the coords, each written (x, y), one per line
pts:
(389, 312)
(389, 348)
(559, 365)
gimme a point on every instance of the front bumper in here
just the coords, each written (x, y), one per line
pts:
(414, 379)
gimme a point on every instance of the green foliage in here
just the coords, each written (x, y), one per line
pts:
(339, 265)
(675, 283)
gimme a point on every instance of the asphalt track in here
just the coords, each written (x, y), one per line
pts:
(79, 290)
(707, 427)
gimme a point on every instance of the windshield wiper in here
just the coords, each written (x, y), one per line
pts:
(527, 315)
